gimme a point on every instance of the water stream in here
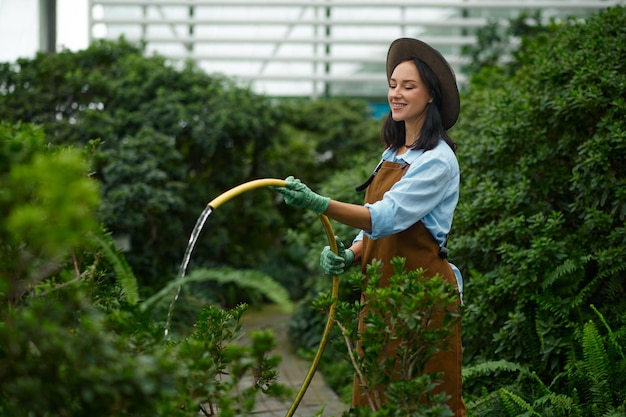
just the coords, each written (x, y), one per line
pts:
(183, 266)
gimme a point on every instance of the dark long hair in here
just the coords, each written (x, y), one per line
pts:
(393, 133)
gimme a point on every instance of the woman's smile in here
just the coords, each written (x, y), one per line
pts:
(408, 96)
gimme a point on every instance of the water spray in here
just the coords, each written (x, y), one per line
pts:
(212, 206)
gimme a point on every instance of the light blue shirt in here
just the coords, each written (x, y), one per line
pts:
(428, 191)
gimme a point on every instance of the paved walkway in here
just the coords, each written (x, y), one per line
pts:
(291, 372)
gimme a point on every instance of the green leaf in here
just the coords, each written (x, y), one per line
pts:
(123, 273)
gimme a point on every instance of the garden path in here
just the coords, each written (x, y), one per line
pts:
(291, 372)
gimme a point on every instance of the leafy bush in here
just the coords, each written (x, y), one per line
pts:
(402, 314)
(73, 340)
(164, 140)
(592, 383)
(65, 357)
(59, 359)
(48, 208)
(539, 232)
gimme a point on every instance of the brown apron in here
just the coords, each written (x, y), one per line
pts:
(420, 250)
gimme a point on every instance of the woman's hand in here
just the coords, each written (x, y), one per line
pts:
(298, 194)
(335, 264)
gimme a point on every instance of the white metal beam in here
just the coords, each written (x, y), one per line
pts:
(230, 21)
(330, 40)
(453, 60)
(464, 4)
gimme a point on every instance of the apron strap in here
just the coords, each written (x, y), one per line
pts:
(370, 179)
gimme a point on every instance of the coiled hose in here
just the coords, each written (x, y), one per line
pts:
(272, 182)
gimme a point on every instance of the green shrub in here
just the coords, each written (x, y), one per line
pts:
(408, 303)
(75, 339)
(166, 140)
(592, 383)
(539, 232)
(59, 359)
(48, 207)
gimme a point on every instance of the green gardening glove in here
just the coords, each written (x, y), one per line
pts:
(335, 264)
(299, 195)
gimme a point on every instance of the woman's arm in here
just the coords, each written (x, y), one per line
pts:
(350, 214)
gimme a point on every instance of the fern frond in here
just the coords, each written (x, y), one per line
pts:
(514, 403)
(543, 386)
(614, 286)
(584, 292)
(614, 270)
(488, 404)
(568, 267)
(596, 364)
(244, 278)
(558, 404)
(490, 368)
(123, 273)
(612, 338)
(596, 280)
(252, 279)
(620, 412)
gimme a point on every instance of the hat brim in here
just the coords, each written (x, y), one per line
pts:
(404, 49)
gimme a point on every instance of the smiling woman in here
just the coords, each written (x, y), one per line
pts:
(409, 203)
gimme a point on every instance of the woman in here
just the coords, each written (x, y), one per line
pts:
(412, 193)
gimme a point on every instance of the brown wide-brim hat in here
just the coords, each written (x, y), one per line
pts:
(404, 49)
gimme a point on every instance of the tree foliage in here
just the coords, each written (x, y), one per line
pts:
(591, 384)
(539, 232)
(407, 324)
(160, 133)
(166, 139)
(499, 46)
(48, 207)
(73, 340)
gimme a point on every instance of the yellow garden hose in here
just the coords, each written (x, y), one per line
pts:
(271, 182)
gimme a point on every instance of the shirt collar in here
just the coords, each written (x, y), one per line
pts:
(408, 157)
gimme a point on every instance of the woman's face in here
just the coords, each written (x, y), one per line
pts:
(408, 96)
